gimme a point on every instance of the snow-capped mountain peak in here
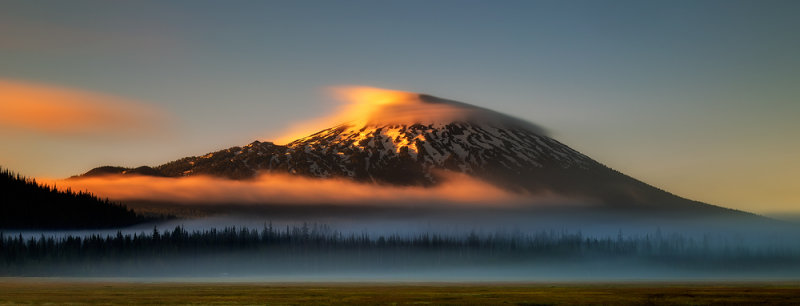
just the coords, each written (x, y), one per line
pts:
(402, 138)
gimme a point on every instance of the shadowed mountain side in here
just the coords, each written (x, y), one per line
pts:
(110, 170)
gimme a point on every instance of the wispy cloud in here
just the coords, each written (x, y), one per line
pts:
(457, 189)
(61, 111)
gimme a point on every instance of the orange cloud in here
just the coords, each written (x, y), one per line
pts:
(362, 105)
(64, 111)
(376, 106)
(457, 189)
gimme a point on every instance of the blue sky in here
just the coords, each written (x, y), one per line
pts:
(697, 97)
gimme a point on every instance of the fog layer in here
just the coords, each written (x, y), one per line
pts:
(456, 189)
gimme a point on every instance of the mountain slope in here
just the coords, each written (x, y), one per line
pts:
(411, 139)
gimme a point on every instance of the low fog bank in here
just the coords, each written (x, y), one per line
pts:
(436, 234)
(456, 189)
(459, 203)
(386, 218)
(321, 252)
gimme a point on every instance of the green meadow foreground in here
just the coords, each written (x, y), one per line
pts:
(45, 291)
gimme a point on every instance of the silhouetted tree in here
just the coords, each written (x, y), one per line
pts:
(26, 204)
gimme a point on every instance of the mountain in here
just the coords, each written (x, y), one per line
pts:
(411, 139)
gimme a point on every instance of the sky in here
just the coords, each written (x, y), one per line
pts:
(699, 98)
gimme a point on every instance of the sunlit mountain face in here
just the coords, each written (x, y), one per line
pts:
(387, 137)
(398, 138)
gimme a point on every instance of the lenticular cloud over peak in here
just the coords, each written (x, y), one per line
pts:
(376, 106)
(370, 106)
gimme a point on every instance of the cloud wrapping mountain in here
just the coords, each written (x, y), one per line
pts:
(456, 189)
(392, 138)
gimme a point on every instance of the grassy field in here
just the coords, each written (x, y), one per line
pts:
(38, 291)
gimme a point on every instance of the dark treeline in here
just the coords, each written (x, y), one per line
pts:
(26, 204)
(319, 248)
